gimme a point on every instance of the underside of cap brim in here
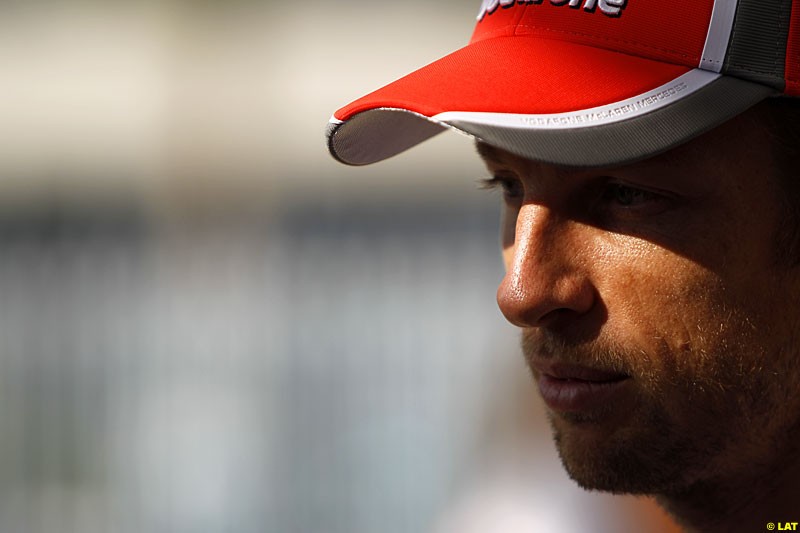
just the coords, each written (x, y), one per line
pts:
(377, 134)
(566, 103)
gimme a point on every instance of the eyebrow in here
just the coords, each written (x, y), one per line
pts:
(488, 152)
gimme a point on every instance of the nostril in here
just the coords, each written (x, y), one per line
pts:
(561, 318)
(555, 315)
(527, 302)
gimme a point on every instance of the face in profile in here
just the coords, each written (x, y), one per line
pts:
(658, 317)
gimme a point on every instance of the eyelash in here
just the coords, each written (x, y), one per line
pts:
(512, 188)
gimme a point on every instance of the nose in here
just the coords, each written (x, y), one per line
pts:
(546, 277)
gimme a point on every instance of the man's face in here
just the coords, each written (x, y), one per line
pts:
(657, 318)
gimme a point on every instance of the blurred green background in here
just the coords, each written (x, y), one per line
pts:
(207, 325)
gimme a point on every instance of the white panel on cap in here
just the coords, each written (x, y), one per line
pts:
(668, 93)
(719, 33)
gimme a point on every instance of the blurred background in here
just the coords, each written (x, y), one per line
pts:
(207, 325)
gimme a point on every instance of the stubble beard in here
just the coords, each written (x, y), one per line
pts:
(653, 460)
(695, 415)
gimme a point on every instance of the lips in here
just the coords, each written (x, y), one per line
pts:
(574, 388)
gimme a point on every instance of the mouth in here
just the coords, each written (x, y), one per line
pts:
(574, 388)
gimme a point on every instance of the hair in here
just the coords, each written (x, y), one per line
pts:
(782, 116)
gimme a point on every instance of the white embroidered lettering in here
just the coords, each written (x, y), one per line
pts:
(611, 8)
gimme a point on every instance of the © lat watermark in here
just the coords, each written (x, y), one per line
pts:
(782, 526)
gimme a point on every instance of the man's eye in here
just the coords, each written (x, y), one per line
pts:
(622, 201)
(621, 195)
(511, 187)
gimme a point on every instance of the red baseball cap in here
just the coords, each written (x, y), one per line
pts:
(585, 82)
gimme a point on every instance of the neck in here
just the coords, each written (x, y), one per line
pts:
(747, 503)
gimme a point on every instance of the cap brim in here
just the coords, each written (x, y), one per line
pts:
(548, 100)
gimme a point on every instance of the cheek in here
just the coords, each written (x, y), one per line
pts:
(694, 337)
(667, 308)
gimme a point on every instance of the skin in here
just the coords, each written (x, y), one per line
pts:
(665, 271)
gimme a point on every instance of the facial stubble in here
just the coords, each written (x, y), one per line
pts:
(699, 415)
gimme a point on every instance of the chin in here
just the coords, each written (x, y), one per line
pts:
(651, 461)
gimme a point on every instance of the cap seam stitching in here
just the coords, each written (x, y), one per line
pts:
(502, 32)
(675, 53)
(499, 32)
(520, 15)
(625, 52)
